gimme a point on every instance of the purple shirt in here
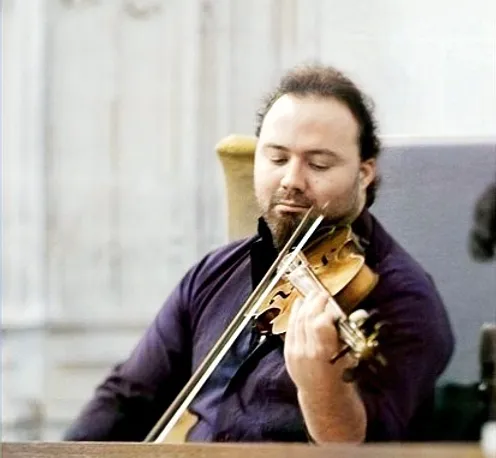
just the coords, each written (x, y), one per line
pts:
(250, 396)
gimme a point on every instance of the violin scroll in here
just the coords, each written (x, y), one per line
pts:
(360, 333)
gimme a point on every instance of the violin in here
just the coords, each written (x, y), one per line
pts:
(332, 262)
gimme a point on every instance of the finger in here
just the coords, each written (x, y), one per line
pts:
(298, 324)
(333, 308)
(292, 322)
(315, 305)
(299, 332)
(310, 307)
(324, 331)
(318, 304)
(320, 327)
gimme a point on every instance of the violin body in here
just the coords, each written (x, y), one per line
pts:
(337, 260)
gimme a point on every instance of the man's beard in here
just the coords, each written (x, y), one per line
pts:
(282, 226)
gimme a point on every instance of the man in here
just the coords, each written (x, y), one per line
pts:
(317, 146)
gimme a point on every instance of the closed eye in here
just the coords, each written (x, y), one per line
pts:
(276, 154)
(319, 167)
(278, 160)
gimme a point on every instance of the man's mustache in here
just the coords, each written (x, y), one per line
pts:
(294, 198)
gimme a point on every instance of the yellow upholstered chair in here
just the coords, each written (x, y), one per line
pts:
(236, 153)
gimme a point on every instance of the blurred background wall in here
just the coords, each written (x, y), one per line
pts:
(111, 186)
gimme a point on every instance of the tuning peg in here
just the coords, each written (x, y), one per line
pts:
(359, 317)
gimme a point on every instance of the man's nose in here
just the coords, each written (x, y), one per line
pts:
(294, 177)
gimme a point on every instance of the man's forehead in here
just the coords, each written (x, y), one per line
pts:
(309, 111)
(309, 124)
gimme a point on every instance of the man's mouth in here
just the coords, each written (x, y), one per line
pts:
(291, 207)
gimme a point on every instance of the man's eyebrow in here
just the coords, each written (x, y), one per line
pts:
(321, 152)
(276, 146)
(309, 152)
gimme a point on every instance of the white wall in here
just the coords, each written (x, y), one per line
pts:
(430, 65)
(111, 186)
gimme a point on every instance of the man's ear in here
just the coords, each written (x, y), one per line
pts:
(367, 172)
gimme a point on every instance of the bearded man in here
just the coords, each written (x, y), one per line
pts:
(317, 147)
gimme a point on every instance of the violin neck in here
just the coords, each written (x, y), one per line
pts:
(302, 277)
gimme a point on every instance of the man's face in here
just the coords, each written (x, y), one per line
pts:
(308, 154)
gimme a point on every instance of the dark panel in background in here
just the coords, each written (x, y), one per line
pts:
(426, 201)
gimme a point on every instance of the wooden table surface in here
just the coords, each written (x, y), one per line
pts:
(191, 450)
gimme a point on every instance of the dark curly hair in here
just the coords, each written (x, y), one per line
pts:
(326, 81)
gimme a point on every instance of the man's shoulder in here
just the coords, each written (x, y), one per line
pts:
(227, 253)
(399, 268)
(407, 295)
(220, 261)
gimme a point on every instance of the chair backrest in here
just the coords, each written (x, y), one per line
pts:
(236, 153)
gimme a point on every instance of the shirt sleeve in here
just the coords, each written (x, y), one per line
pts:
(136, 392)
(417, 347)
